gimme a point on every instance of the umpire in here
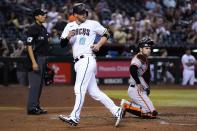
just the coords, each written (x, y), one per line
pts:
(37, 48)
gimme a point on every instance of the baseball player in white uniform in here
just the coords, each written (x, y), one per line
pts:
(189, 63)
(139, 89)
(81, 34)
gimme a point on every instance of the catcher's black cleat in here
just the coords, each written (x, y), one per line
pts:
(68, 120)
(155, 113)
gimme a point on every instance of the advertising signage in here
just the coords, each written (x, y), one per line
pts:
(110, 69)
(63, 72)
(113, 72)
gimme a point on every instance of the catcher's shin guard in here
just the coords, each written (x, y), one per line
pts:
(138, 112)
(133, 110)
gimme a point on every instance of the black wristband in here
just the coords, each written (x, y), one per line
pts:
(64, 42)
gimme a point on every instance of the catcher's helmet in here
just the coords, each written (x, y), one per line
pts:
(145, 42)
(80, 8)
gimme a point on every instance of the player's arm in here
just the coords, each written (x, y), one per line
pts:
(133, 71)
(64, 41)
(137, 61)
(134, 74)
(101, 42)
(103, 32)
(186, 62)
(135, 64)
(195, 62)
(190, 63)
(66, 35)
(31, 33)
(31, 55)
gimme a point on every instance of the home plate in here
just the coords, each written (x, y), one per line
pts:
(53, 117)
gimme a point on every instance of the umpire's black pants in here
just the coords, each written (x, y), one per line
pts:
(36, 79)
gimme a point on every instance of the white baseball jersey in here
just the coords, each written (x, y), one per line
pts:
(189, 71)
(186, 59)
(84, 37)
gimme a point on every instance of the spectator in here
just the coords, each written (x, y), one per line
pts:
(158, 11)
(161, 30)
(131, 36)
(48, 25)
(120, 36)
(169, 3)
(13, 21)
(60, 24)
(189, 62)
(4, 50)
(55, 38)
(194, 24)
(25, 24)
(164, 69)
(52, 15)
(93, 16)
(150, 4)
(19, 50)
(21, 73)
(103, 11)
(191, 36)
(117, 18)
(125, 19)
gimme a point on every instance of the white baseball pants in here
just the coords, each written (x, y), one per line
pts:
(85, 81)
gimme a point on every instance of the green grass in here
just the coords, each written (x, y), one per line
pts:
(164, 97)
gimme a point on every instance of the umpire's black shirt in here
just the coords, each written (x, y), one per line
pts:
(37, 36)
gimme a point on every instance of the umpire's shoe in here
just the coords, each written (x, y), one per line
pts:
(36, 111)
(68, 120)
(119, 114)
(42, 111)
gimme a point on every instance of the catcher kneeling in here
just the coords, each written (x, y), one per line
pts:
(139, 88)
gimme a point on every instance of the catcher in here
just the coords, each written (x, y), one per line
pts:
(139, 88)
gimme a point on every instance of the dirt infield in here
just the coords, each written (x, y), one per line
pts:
(60, 100)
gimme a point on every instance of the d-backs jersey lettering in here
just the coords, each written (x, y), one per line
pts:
(85, 34)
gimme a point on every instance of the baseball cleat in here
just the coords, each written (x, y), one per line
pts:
(68, 120)
(36, 111)
(122, 104)
(119, 114)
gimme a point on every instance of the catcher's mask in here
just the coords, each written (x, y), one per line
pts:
(145, 42)
(80, 9)
(49, 76)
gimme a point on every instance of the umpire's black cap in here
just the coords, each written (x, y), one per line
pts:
(80, 8)
(37, 12)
